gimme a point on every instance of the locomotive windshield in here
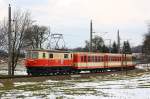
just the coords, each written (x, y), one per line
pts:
(31, 54)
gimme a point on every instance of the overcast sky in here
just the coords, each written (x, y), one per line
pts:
(72, 18)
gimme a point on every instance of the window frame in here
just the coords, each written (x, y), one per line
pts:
(51, 54)
(33, 53)
(66, 56)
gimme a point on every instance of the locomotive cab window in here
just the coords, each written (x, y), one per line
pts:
(65, 55)
(35, 55)
(50, 55)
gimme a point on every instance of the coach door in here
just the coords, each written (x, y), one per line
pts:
(84, 61)
(124, 60)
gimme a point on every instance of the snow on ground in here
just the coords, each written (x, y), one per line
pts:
(114, 86)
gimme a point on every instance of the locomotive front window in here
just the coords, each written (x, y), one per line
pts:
(34, 55)
(28, 54)
(65, 55)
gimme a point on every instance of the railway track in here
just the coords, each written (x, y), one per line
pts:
(28, 78)
(16, 76)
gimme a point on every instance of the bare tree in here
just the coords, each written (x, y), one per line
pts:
(36, 35)
(3, 35)
(21, 22)
(97, 44)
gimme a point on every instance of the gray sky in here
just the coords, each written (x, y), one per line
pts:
(72, 18)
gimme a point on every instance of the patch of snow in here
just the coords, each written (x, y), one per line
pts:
(23, 83)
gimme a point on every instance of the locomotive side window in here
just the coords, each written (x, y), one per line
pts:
(44, 55)
(34, 55)
(65, 55)
(50, 55)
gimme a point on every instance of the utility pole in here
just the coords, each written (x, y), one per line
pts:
(9, 42)
(125, 52)
(118, 38)
(91, 31)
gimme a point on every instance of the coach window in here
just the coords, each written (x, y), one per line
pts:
(99, 59)
(116, 58)
(85, 59)
(96, 59)
(50, 55)
(93, 59)
(110, 58)
(82, 58)
(88, 58)
(44, 55)
(102, 58)
(65, 55)
(127, 58)
(113, 58)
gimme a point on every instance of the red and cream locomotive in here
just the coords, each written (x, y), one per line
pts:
(46, 62)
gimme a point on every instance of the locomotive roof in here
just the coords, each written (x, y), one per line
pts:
(61, 51)
(45, 50)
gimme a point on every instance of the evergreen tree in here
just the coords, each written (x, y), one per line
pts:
(105, 49)
(126, 48)
(114, 48)
(146, 46)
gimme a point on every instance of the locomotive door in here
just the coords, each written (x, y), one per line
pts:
(106, 61)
